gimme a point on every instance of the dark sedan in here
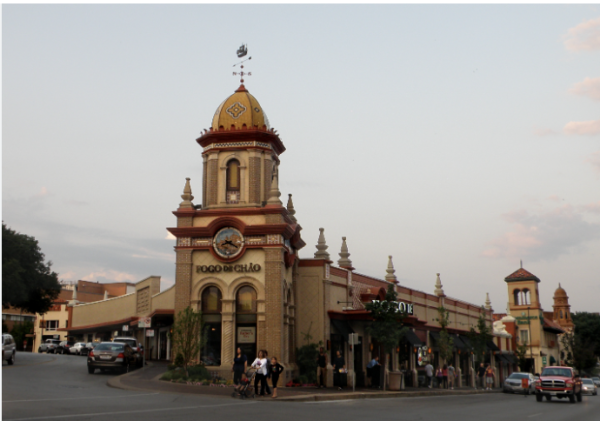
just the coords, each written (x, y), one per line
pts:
(110, 356)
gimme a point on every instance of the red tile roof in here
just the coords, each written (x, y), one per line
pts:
(522, 275)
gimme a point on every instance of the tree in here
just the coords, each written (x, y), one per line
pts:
(386, 327)
(27, 282)
(19, 331)
(446, 342)
(521, 353)
(187, 336)
(587, 327)
(580, 351)
(480, 337)
(306, 357)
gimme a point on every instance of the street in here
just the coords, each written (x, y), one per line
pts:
(58, 387)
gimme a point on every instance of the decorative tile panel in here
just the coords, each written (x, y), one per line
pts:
(184, 242)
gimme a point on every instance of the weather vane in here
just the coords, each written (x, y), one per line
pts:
(241, 52)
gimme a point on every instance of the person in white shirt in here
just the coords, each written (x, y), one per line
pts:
(260, 363)
(429, 372)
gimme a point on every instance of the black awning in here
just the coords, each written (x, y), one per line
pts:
(459, 344)
(342, 327)
(492, 346)
(503, 359)
(435, 336)
(467, 342)
(412, 338)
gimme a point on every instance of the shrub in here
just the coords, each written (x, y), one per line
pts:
(199, 372)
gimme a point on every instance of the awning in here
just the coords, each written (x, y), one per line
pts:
(342, 327)
(552, 360)
(435, 336)
(508, 356)
(492, 346)
(503, 359)
(459, 344)
(412, 338)
(467, 342)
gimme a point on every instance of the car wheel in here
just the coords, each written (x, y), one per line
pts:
(91, 370)
(11, 360)
(538, 397)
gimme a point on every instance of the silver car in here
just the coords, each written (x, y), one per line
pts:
(79, 348)
(9, 348)
(513, 383)
(589, 388)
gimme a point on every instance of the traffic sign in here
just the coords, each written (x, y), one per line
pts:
(145, 322)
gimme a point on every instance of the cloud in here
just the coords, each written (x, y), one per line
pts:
(110, 275)
(592, 207)
(584, 37)
(544, 132)
(594, 161)
(590, 128)
(589, 87)
(543, 236)
(170, 236)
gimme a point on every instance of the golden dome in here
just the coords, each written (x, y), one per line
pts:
(560, 292)
(238, 110)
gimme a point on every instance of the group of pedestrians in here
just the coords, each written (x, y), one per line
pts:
(340, 378)
(445, 376)
(265, 369)
(486, 377)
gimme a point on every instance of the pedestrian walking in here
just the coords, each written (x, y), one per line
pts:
(429, 373)
(339, 371)
(260, 364)
(375, 369)
(489, 376)
(276, 370)
(240, 365)
(480, 375)
(451, 376)
(440, 376)
(445, 376)
(321, 368)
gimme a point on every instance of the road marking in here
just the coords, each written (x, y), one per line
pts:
(534, 415)
(140, 411)
(85, 397)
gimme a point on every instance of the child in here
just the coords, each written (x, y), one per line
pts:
(276, 370)
(243, 383)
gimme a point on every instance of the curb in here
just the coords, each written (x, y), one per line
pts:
(115, 382)
(381, 395)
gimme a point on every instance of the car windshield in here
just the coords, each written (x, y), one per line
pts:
(519, 376)
(588, 381)
(110, 347)
(562, 372)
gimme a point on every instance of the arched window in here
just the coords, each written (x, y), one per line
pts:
(211, 315)
(516, 296)
(211, 300)
(245, 301)
(561, 314)
(233, 175)
(526, 297)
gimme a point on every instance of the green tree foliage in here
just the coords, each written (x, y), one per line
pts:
(187, 336)
(19, 331)
(306, 357)
(587, 328)
(580, 351)
(27, 282)
(521, 353)
(480, 338)
(446, 342)
(387, 327)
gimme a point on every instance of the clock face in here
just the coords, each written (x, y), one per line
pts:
(228, 242)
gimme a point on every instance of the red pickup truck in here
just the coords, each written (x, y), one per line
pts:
(559, 382)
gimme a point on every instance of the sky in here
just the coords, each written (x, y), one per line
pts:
(460, 139)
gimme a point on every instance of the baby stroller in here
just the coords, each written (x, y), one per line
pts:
(246, 390)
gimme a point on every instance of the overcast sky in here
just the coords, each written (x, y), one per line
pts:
(459, 139)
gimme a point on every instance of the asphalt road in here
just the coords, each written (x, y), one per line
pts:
(58, 387)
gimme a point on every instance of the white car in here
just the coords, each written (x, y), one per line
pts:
(9, 348)
(589, 388)
(78, 348)
(513, 384)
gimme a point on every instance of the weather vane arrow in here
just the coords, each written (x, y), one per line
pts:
(241, 52)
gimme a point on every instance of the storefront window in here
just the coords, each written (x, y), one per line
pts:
(211, 351)
(245, 305)
(246, 300)
(211, 300)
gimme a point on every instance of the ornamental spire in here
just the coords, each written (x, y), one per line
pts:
(344, 262)
(438, 287)
(488, 303)
(187, 195)
(290, 208)
(390, 277)
(322, 246)
(274, 193)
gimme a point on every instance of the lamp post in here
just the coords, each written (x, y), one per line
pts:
(532, 368)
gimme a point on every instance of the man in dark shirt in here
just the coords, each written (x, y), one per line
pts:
(480, 374)
(322, 368)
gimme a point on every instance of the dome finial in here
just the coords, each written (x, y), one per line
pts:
(321, 246)
(241, 52)
(438, 287)
(187, 195)
(390, 277)
(344, 262)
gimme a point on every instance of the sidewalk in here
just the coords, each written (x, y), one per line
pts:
(147, 380)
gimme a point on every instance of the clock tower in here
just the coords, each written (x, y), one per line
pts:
(237, 251)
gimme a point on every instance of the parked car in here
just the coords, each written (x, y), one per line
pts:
(79, 348)
(64, 347)
(51, 345)
(110, 356)
(513, 383)
(589, 388)
(9, 348)
(133, 343)
(596, 381)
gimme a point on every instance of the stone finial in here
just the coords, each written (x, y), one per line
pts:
(74, 298)
(322, 246)
(290, 208)
(488, 303)
(105, 294)
(438, 287)
(344, 262)
(274, 193)
(390, 277)
(187, 195)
